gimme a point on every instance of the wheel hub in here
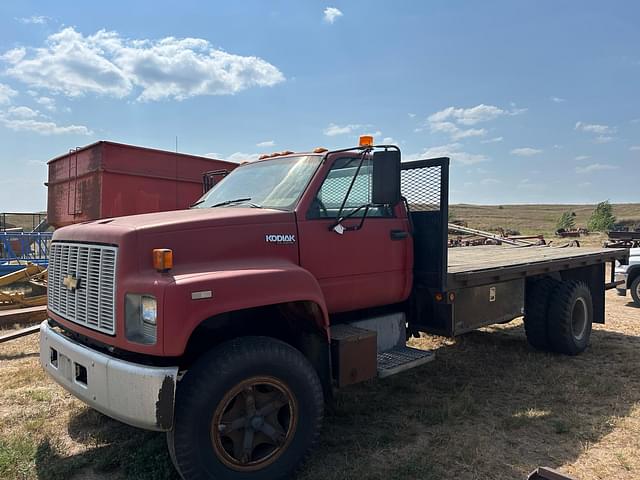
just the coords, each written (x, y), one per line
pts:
(257, 423)
(254, 423)
(579, 318)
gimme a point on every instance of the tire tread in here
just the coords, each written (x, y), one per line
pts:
(221, 361)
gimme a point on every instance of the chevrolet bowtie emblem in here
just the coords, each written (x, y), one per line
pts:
(71, 282)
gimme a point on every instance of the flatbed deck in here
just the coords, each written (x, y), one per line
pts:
(469, 266)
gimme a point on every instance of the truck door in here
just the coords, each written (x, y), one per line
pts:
(360, 267)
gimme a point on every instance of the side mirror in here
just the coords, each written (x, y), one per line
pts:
(385, 186)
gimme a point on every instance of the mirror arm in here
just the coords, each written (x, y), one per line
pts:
(353, 181)
(349, 215)
(364, 216)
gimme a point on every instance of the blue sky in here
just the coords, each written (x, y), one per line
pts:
(535, 101)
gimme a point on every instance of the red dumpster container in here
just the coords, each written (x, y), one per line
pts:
(107, 179)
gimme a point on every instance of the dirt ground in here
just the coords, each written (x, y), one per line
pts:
(488, 407)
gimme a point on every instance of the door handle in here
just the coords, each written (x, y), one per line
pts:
(399, 234)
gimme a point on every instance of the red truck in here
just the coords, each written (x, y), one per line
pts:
(230, 324)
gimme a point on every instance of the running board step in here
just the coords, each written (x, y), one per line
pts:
(400, 359)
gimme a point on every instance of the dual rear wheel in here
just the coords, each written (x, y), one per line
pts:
(559, 316)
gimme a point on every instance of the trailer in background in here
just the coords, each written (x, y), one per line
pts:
(108, 179)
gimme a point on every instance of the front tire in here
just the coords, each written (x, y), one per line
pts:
(570, 318)
(635, 291)
(249, 409)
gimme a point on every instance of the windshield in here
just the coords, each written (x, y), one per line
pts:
(276, 183)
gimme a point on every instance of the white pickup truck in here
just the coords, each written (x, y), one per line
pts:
(630, 275)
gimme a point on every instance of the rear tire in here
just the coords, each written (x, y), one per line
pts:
(635, 291)
(536, 309)
(249, 409)
(570, 318)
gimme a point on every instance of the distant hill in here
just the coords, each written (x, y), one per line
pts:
(530, 219)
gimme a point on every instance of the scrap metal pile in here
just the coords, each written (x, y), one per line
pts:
(469, 237)
(23, 288)
(623, 238)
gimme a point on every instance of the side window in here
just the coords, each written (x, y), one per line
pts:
(335, 187)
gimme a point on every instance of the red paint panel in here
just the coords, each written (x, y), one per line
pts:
(108, 179)
(220, 249)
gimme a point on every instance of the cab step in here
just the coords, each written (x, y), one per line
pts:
(402, 358)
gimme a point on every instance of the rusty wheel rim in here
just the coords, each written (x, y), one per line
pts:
(254, 423)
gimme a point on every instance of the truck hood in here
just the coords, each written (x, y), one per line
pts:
(111, 230)
(201, 239)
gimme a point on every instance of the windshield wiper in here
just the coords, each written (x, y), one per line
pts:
(197, 203)
(229, 202)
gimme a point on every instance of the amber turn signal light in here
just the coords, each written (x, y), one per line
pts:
(162, 259)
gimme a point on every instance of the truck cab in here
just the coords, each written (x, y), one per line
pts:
(230, 324)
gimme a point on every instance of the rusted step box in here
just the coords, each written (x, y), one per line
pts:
(353, 354)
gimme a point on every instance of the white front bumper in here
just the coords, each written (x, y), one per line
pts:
(139, 395)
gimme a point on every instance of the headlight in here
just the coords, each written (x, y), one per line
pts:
(149, 310)
(141, 312)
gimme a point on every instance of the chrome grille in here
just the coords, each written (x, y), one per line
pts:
(92, 303)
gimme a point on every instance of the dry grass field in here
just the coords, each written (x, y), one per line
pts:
(488, 407)
(533, 219)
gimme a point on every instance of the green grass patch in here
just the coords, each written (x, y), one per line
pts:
(17, 457)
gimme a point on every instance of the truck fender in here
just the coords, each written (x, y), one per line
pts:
(194, 297)
(632, 272)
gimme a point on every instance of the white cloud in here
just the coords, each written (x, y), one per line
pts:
(266, 143)
(6, 93)
(582, 157)
(493, 140)
(594, 128)
(239, 157)
(43, 127)
(14, 56)
(25, 119)
(468, 116)
(47, 102)
(22, 112)
(603, 139)
(558, 100)
(35, 19)
(525, 151)
(490, 181)
(471, 132)
(452, 151)
(376, 134)
(635, 148)
(411, 115)
(453, 120)
(331, 14)
(389, 141)
(596, 167)
(332, 130)
(107, 64)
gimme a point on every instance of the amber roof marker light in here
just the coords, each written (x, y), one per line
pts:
(366, 141)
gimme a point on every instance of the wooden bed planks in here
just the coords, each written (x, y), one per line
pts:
(488, 257)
